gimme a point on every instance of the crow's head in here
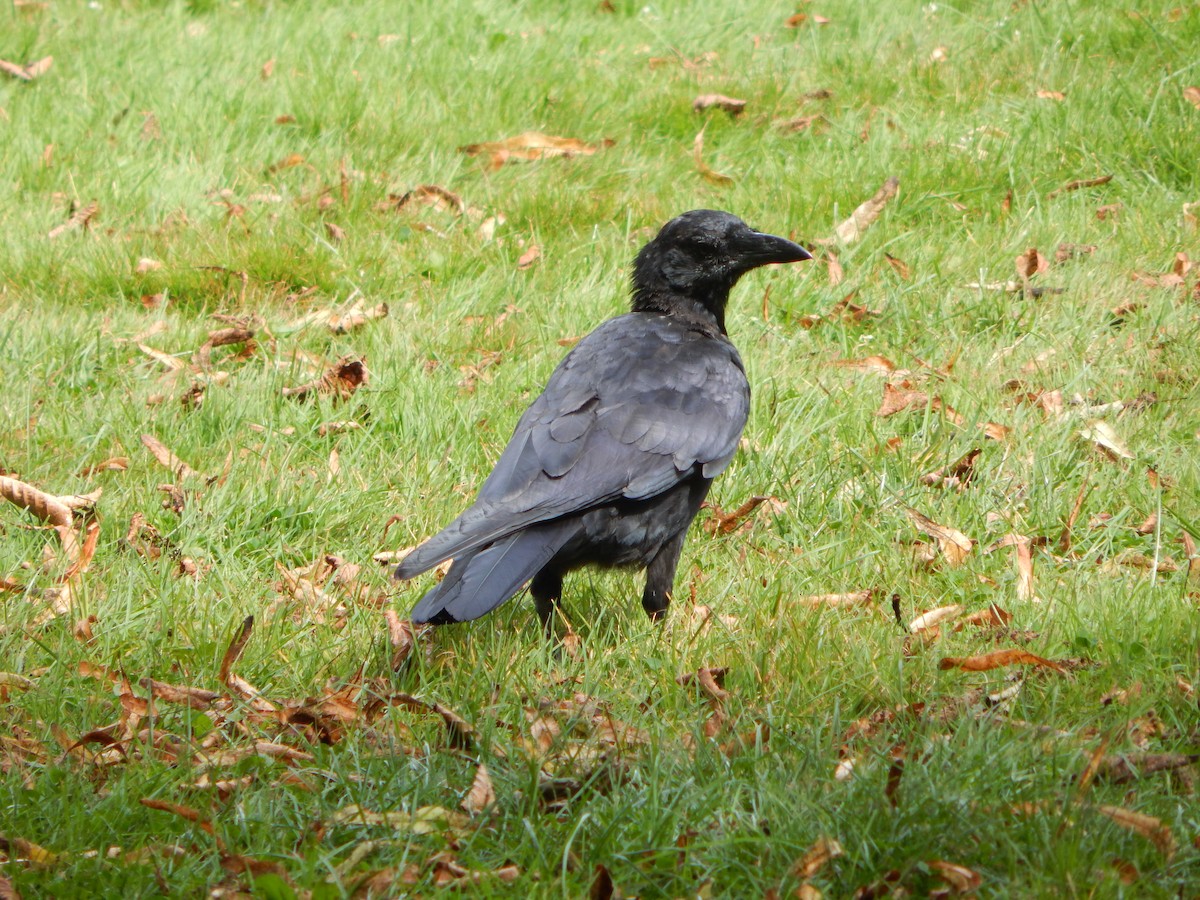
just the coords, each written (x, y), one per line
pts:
(698, 257)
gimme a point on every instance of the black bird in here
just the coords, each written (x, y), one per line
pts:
(611, 463)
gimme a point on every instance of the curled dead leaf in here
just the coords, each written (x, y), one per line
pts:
(340, 380)
(999, 659)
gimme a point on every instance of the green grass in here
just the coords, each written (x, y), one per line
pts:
(153, 109)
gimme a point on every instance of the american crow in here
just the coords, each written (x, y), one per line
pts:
(611, 463)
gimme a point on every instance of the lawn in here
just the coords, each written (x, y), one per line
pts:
(269, 312)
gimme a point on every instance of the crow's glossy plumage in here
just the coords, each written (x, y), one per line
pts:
(611, 463)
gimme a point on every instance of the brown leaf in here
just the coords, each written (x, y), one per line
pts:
(702, 166)
(1071, 251)
(800, 123)
(823, 851)
(961, 879)
(401, 636)
(185, 812)
(1109, 209)
(730, 105)
(1192, 95)
(160, 452)
(877, 364)
(1076, 185)
(290, 161)
(1051, 95)
(529, 257)
(80, 218)
(112, 464)
(1024, 562)
(899, 265)
(531, 145)
(998, 659)
(1147, 826)
(955, 545)
(27, 72)
(196, 698)
(235, 648)
(957, 474)
(602, 887)
(340, 380)
(430, 195)
(724, 523)
(481, 795)
(1030, 263)
(992, 617)
(897, 398)
(835, 269)
(868, 211)
(1127, 767)
(335, 232)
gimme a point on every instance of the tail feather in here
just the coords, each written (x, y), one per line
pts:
(478, 583)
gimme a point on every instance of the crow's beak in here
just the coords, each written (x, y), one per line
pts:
(760, 249)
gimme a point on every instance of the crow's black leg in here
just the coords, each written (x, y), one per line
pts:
(660, 577)
(546, 590)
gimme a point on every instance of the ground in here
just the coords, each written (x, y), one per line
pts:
(269, 311)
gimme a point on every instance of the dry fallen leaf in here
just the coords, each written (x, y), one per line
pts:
(1192, 95)
(730, 105)
(1082, 183)
(960, 879)
(868, 211)
(1147, 826)
(932, 618)
(529, 257)
(432, 196)
(80, 218)
(1030, 263)
(27, 72)
(1105, 437)
(839, 601)
(702, 166)
(816, 857)
(999, 659)
(531, 145)
(481, 795)
(955, 545)
(340, 380)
